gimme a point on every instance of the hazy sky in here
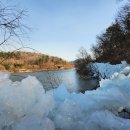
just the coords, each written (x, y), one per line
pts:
(61, 27)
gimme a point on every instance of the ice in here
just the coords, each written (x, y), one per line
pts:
(26, 106)
(126, 71)
(4, 75)
(29, 123)
(106, 120)
(23, 99)
(34, 123)
(107, 70)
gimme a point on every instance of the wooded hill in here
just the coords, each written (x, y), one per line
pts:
(28, 61)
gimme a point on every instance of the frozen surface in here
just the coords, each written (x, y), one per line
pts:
(106, 70)
(25, 105)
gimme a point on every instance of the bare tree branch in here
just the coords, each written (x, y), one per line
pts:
(11, 24)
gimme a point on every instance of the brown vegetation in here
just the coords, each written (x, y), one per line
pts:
(28, 61)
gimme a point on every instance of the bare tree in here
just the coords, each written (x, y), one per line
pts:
(11, 27)
(83, 59)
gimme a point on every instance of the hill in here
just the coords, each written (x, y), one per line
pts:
(29, 61)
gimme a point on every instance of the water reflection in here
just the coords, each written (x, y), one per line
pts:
(51, 79)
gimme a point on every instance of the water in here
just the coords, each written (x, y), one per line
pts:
(52, 79)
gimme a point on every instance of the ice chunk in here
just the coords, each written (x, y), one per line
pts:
(104, 120)
(125, 71)
(26, 106)
(107, 70)
(4, 75)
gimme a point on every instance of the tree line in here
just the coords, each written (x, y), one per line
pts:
(112, 46)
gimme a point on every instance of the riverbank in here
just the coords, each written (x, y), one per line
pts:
(31, 62)
(38, 70)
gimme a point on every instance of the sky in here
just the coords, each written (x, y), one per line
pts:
(61, 27)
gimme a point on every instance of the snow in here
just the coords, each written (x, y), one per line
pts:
(106, 69)
(26, 106)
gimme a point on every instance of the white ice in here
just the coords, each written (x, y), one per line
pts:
(26, 106)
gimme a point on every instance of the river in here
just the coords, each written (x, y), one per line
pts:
(52, 79)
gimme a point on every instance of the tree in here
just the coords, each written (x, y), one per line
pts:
(114, 44)
(82, 61)
(108, 45)
(11, 26)
(123, 18)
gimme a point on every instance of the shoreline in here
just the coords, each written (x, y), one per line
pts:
(31, 71)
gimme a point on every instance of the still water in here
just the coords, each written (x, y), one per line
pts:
(52, 79)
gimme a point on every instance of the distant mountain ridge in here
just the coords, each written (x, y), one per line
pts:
(30, 61)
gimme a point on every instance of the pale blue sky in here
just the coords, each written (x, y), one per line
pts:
(61, 27)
